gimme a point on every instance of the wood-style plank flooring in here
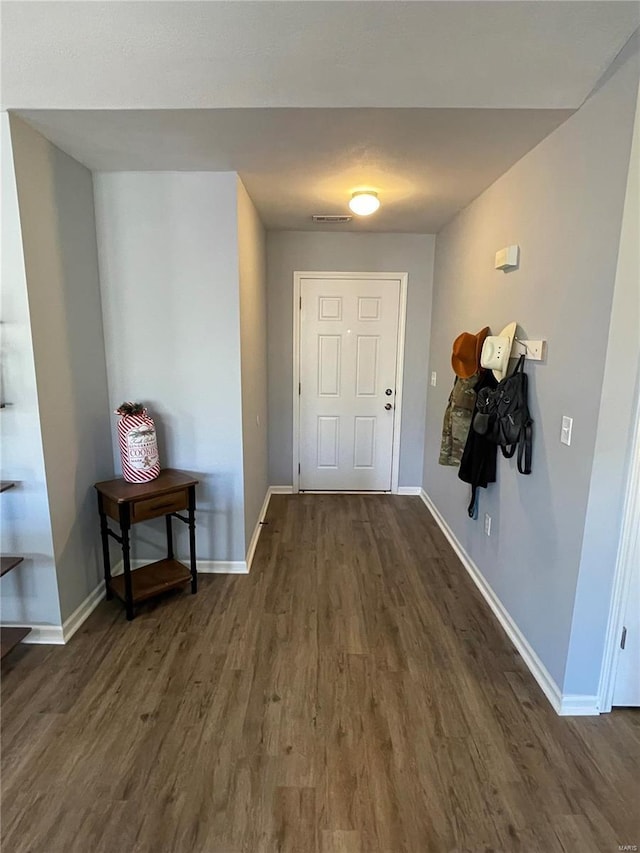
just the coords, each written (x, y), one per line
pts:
(353, 693)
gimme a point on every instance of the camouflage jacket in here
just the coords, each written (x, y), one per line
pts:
(457, 420)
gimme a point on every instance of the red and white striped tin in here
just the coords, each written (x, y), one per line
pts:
(138, 448)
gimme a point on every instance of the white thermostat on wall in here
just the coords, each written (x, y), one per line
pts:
(508, 258)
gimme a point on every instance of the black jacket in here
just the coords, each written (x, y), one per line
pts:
(478, 464)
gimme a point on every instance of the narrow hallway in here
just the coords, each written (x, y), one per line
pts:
(353, 693)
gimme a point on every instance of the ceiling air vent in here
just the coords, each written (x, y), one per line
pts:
(330, 219)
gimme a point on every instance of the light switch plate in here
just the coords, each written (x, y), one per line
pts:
(567, 429)
(434, 379)
(487, 524)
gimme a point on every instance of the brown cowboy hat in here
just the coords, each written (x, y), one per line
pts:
(465, 358)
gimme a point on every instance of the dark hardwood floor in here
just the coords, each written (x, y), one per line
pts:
(353, 693)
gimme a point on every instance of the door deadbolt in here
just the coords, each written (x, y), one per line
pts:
(388, 392)
(388, 407)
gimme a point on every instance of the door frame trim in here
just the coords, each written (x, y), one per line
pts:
(403, 278)
(628, 553)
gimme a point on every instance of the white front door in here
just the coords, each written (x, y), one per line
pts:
(348, 355)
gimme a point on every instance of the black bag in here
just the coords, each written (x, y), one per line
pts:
(502, 416)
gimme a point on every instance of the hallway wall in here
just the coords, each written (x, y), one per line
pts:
(562, 203)
(55, 195)
(290, 251)
(611, 465)
(252, 276)
(29, 593)
(168, 248)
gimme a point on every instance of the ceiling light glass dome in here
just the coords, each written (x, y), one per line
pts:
(364, 203)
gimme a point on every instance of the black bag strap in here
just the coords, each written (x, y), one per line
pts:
(524, 448)
(526, 433)
(524, 445)
(471, 509)
(508, 452)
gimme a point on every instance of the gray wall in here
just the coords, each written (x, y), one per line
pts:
(290, 251)
(616, 424)
(563, 204)
(168, 249)
(253, 342)
(55, 195)
(29, 594)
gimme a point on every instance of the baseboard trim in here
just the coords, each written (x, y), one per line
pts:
(253, 544)
(222, 567)
(204, 567)
(41, 635)
(562, 705)
(579, 706)
(58, 635)
(81, 613)
(409, 490)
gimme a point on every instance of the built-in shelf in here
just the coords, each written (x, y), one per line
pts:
(5, 485)
(8, 563)
(10, 637)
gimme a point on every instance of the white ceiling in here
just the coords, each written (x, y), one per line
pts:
(178, 55)
(427, 102)
(425, 164)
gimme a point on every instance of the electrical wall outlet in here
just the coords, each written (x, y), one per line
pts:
(566, 430)
(434, 378)
(487, 524)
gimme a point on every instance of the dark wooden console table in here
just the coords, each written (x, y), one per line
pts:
(130, 503)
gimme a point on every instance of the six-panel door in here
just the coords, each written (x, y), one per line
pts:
(348, 352)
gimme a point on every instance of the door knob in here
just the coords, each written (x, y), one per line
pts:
(388, 407)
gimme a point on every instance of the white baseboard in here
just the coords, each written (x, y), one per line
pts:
(253, 544)
(575, 705)
(204, 567)
(402, 490)
(251, 550)
(226, 567)
(60, 634)
(71, 625)
(41, 635)
(222, 567)
(563, 705)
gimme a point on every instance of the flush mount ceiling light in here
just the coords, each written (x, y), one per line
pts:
(364, 202)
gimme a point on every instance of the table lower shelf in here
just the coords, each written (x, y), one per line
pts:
(10, 637)
(152, 579)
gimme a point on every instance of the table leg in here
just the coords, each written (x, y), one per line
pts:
(105, 548)
(125, 526)
(167, 519)
(192, 538)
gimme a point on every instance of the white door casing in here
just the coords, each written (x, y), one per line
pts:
(620, 674)
(348, 347)
(626, 665)
(626, 689)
